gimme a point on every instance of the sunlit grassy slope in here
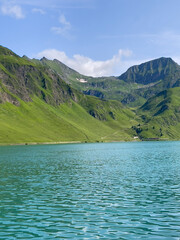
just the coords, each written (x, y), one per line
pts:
(39, 122)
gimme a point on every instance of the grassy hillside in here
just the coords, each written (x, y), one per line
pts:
(36, 105)
(38, 121)
(160, 116)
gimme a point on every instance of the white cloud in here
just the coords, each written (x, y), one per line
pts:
(38, 10)
(12, 10)
(54, 3)
(64, 22)
(64, 27)
(87, 66)
(176, 59)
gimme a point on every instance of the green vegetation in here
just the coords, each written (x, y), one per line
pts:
(38, 121)
(44, 101)
(160, 116)
(132, 88)
(38, 106)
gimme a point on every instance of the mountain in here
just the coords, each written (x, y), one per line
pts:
(132, 88)
(23, 79)
(46, 101)
(37, 105)
(154, 76)
(151, 72)
(88, 85)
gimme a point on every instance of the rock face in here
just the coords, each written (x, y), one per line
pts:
(23, 79)
(95, 93)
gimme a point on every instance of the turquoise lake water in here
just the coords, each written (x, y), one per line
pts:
(90, 191)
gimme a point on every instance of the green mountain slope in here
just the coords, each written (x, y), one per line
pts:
(132, 88)
(36, 105)
(151, 72)
(40, 122)
(154, 76)
(102, 87)
(160, 116)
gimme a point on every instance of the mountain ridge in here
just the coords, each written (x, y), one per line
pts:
(132, 88)
(151, 71)
(38, 104)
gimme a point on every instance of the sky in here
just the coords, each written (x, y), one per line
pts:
(94, 37)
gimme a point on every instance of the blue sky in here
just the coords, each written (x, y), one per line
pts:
(94, 37)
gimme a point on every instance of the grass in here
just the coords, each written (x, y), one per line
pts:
(40, 122)
(161, 116)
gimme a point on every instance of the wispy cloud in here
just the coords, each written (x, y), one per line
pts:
(156, 38)
(38, 10)
(119, 63)
(166, 38)
(12, 10)
(58, 4)
(64, 27)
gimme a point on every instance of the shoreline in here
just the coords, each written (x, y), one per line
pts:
(81, 142)
(38, 143)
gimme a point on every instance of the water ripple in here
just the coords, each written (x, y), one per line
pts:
(90, 191)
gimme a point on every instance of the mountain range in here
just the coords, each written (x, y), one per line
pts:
(132, 88)
(46, 101)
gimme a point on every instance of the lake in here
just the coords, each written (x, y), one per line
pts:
(90, 191)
